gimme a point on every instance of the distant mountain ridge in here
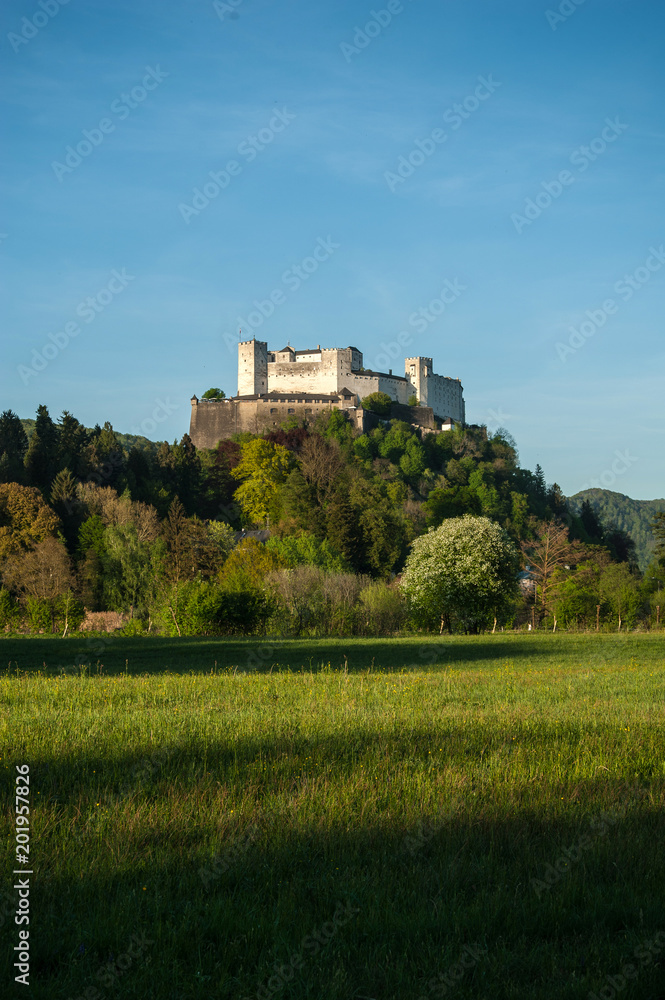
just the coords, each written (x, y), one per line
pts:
(632, 516)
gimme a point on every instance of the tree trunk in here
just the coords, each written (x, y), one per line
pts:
(174, 620)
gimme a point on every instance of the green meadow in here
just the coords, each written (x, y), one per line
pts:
(467, 817)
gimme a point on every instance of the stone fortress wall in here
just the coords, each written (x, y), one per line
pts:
(276, 385)
(443, 394)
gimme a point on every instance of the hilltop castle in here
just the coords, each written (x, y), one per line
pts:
(275, 385)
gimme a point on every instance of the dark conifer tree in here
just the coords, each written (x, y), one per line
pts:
(41, 460)
(13, 446)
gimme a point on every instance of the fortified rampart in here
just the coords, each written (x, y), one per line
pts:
(274, 386)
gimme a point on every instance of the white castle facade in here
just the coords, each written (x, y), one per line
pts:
(339, 372)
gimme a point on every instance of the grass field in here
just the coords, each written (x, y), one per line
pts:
(471, 817)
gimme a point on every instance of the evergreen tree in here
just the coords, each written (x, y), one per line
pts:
(66, 506)
(188, 476)
(591, 523)
(41, 460)
(72, 441)
(13, 446)
(342, 528)
(139, 476)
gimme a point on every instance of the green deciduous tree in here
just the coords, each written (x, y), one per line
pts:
(130, 568)
(452, 501)
(262, 469)
(378, 402)
(380, 531)
(248, 566)
(305, 549)
(620, 590)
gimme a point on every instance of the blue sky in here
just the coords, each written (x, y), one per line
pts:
(541, 196)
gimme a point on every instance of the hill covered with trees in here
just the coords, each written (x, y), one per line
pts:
(304, 530)
(634, 517)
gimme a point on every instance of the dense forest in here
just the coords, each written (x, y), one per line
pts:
(634, 517)
(304, 530)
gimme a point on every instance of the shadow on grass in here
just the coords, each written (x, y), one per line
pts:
(546, 916)
(146, 654)
(287, 748)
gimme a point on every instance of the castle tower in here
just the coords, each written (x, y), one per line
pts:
(445, 395)
(252, 368)
(418, 370)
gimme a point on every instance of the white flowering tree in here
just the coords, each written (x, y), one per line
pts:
(461, 574)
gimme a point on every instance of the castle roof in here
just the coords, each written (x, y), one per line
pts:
(287, 348)
(368, 371)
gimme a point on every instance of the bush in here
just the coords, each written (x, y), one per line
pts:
(383, 609)
(203, 608)
(10, 611)
(133, 627)
(40, 618)
(309, 601)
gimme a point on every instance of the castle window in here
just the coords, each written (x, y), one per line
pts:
(291, 410)
(273, 409)
(308, 411)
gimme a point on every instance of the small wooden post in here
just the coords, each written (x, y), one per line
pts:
(597, 617)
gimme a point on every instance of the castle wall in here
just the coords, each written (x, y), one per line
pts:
(214, 420)
(443, 394)
(304, 376)
(421, 416)
(319, 373)
(328, 370)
